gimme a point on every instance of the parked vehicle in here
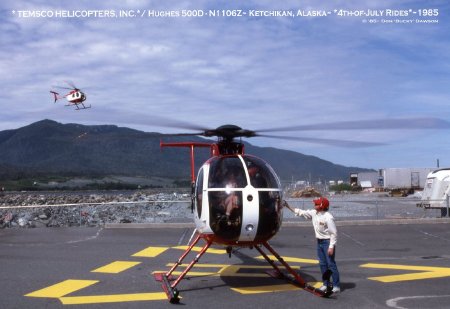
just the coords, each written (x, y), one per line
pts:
(437, 191)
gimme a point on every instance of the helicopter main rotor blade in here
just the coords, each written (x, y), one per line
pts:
(183, 134)
(325, 141)
(71, 84)
(377, 124)
(61, 87)
(161, 121)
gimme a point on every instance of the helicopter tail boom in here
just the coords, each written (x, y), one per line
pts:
(56, 96)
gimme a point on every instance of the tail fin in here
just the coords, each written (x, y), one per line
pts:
(56, 96)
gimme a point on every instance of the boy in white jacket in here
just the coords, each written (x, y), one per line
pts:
(326, 234)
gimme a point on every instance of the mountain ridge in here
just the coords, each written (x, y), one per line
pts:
(48, 147)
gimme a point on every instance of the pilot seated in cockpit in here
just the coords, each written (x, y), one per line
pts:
(231, 201)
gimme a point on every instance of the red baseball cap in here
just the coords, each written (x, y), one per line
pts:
(323, 202)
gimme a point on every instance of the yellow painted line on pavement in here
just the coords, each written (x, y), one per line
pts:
(221, 266)
(316, 284)
(115, 298)
(239, 271)
(266, 289)
(288, 259)
(195, 273)
(62, 288)
(115, 267)
(215, 274)
(197, 249)
(227, 270)
(272, 288)
(150, 252)
(425, 272)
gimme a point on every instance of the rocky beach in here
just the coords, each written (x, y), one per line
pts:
(55, 209)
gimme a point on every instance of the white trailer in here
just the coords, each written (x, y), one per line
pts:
(404, 178)
(437, 191)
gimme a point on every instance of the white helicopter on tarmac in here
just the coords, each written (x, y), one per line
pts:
(237, 198)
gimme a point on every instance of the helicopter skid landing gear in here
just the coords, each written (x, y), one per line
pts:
(166, 278)
(277, 273)
(172, 293)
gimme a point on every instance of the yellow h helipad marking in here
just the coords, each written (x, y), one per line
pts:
(150, 252)
(115, 267)
(115, 298)
(425, 272)
(62, 288)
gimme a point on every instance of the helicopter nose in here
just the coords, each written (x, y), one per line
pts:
(250, 214)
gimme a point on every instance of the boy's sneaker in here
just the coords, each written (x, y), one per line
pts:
(336, 289)
(323, 288)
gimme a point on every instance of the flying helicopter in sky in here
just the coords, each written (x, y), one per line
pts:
(237, 199)
(75, 96)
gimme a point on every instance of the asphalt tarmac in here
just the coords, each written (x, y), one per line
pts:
(381, 266)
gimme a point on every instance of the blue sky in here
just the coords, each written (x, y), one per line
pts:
(255, 72)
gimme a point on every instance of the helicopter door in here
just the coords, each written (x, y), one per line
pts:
(226, 183)
(268, 196)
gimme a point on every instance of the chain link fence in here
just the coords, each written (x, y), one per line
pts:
(371, 207)
(343, 207)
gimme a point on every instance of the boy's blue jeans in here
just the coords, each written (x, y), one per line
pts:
(327, 262)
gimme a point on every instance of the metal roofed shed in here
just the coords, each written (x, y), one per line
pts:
(365, 179)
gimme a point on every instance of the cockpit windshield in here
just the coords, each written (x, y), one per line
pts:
(227, 172)
(261, 175)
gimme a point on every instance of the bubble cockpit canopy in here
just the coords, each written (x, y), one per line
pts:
(230, 171)
(243, 194)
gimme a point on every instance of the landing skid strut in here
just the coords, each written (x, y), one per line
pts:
(169, 283)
